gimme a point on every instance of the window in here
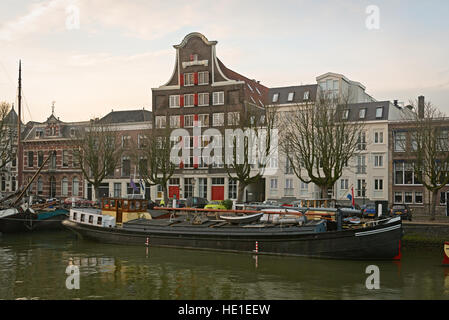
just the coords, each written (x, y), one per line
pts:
(40, 186)
(399, 141)
(175, 121)
(290, 96)
(288, 187)
(188, 187)
(39, 133)
(378, 184)
(379, 137)
(65, 158)
(288, 167)
(304, 187)
(275, 97)
(379, 112)
(52, 164)
(72, 132)
(418, 197)
(218, 119)
(189, 100)
(362, 113)
(203, 120)
(161, 122)
(203, 99)
(345, 114)
(218, 98)
(188, 120)
(40, 158)
(65, 187)
(273, 183)
(126, 167)
(13, 184)
(203, 77)
(361, 141)
(189, 79)
(361, 164)
(117, 189)
(99, 220)
(306, 95)
(30, 159)
(344, 184)
(443, 198)
(142, 141)
(75, 187)
(233, 118)
(174, 101)
(232, 189)
(398, 197)
(378, 161)
(361, 188)
(218, 181)
(408, 197)
(202, 187)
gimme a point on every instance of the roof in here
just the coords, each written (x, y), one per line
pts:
(127, 116)
(254, 91)
(370, 113)
(11, 117)
(298, 94)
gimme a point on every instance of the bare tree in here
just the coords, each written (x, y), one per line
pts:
(429, 146)
(153, 157)
(318, 140)
(8, 135)
(99, 152)
(251, 145)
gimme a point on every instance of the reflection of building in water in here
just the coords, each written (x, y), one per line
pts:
(106, 264)
(446, 280)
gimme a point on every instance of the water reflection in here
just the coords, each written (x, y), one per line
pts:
(33, 266)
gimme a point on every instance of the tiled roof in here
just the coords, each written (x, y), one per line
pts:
(127, 116)
(255, 92)
(370, 113)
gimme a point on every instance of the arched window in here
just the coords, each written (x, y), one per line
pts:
(65, 186)
(52, 187)
(75, 187)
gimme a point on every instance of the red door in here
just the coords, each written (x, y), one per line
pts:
(217, 192)
(173, 190)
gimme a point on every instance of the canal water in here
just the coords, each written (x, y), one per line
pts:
(33, 266)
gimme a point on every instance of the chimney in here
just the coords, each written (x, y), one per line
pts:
(421, 107)
(395, 103)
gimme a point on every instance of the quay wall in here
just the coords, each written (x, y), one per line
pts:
(422, 234)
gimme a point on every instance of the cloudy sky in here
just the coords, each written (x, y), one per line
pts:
(116, 51)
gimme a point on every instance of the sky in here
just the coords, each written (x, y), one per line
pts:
(93, 56)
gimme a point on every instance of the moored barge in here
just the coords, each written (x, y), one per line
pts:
(317, 233)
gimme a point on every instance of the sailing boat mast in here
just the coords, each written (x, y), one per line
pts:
(19, 123)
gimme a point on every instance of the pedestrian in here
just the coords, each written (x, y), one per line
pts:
(162, 203)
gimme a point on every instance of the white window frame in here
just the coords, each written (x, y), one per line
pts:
(275, 97)
(203, 99)
(290, 96)
(201, 77)
(378, 137)
(189, 100)
(161, 122)
(189, 120)
(175, 121)
(218, 98)
(218, 119)
(378, 161)
(381, 112)
(189, 79)
(174, 101)
(201, 118)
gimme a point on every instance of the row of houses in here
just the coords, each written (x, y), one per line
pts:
(202, 89)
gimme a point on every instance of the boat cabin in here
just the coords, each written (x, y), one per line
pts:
(124, 209)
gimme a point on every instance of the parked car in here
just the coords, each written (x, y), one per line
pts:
(215, 205)
(369, 210)
(196, 202)
(401, 210)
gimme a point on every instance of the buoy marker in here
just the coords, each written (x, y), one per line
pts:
(446, 253)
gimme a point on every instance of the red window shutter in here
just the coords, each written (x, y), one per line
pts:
(181, 121)
(181, 79)
(195, 99)
(181, 165)
(181, 100)
(195, 117)
(195, 77)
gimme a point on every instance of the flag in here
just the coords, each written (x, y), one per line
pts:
(133, 185)
(353, 200)
(142, 185)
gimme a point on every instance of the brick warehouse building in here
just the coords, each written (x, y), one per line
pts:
(61, 177)
(201, 88)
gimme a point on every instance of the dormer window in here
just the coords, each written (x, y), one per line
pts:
(275, 97)
(290, 96)
(72, 132)
(379, 112)
(306, 95)
(362, 113)
(345, 114)
(52, 131)
(39, 133)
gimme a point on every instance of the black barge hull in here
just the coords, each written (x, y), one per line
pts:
(381, 242)
(26, 222)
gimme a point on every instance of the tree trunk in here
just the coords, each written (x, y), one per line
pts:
(97, 193)
(240, 192)
(324, 192)
(164, 189)
(433, 204)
